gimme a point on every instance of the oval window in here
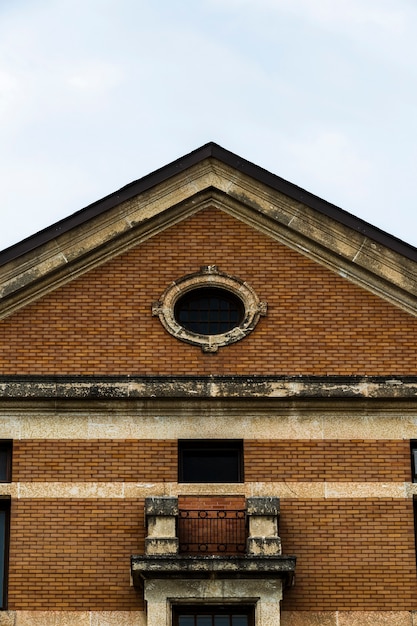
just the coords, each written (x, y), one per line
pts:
(209, 311)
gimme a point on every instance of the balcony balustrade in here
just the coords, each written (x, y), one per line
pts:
(212, 531)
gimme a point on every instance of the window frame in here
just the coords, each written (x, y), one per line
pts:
(413, 459)
(210, 446)
(6, 448)
(212, 609)
(209, 276)
(5, 502)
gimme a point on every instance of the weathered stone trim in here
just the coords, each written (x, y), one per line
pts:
(347, 251)
(34, 419)
(263, 506)
(151, 567)
(215, 387)
(298, 490)
(349, 618)
(72, 618)
(165, 507)
(162, 594)
(138, 618)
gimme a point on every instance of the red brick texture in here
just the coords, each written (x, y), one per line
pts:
(39, 460)
(72, 460)
(352, 555)
(318, 323)
(331, 460)
(228, 503)
(74, 554)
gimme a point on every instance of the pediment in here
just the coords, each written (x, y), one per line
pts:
(209, 177)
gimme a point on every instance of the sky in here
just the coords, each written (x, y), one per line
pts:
(95, 94)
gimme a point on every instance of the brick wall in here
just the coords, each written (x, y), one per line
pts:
(156, 460)
(352, 555)
(317, 322)
(317, 460)
(74, 554)
(227, 503)
(76, 460)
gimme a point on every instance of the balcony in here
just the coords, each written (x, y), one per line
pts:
(212, 541)
(215, 553)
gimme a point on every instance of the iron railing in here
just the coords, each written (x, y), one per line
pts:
(217, 531)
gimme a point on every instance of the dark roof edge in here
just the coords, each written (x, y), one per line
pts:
(179, 165)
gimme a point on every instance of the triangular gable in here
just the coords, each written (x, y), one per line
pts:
(209, 176)
(106, 321)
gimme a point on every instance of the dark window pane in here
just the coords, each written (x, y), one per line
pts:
(210, 461)
(413, 445)
(213, 616)
(211, 467)
(414, 465)
(3, 465)
(201, 311)
(2, 553)
(5, 461)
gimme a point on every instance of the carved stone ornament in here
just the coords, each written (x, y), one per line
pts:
(209, 276)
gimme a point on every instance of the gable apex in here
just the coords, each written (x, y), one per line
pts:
(210, 175)
(208, 150)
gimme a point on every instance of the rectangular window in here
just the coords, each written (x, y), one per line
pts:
(415, 522)
(5, 461)
(210, 461)
(199, 615)
(4, 549)
(413, 444)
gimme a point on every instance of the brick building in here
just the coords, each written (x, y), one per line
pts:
(208, 411)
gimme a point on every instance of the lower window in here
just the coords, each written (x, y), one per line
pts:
(4, 549)
(207, 615)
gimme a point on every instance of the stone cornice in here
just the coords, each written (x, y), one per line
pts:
(223, 388)
(157, 567)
